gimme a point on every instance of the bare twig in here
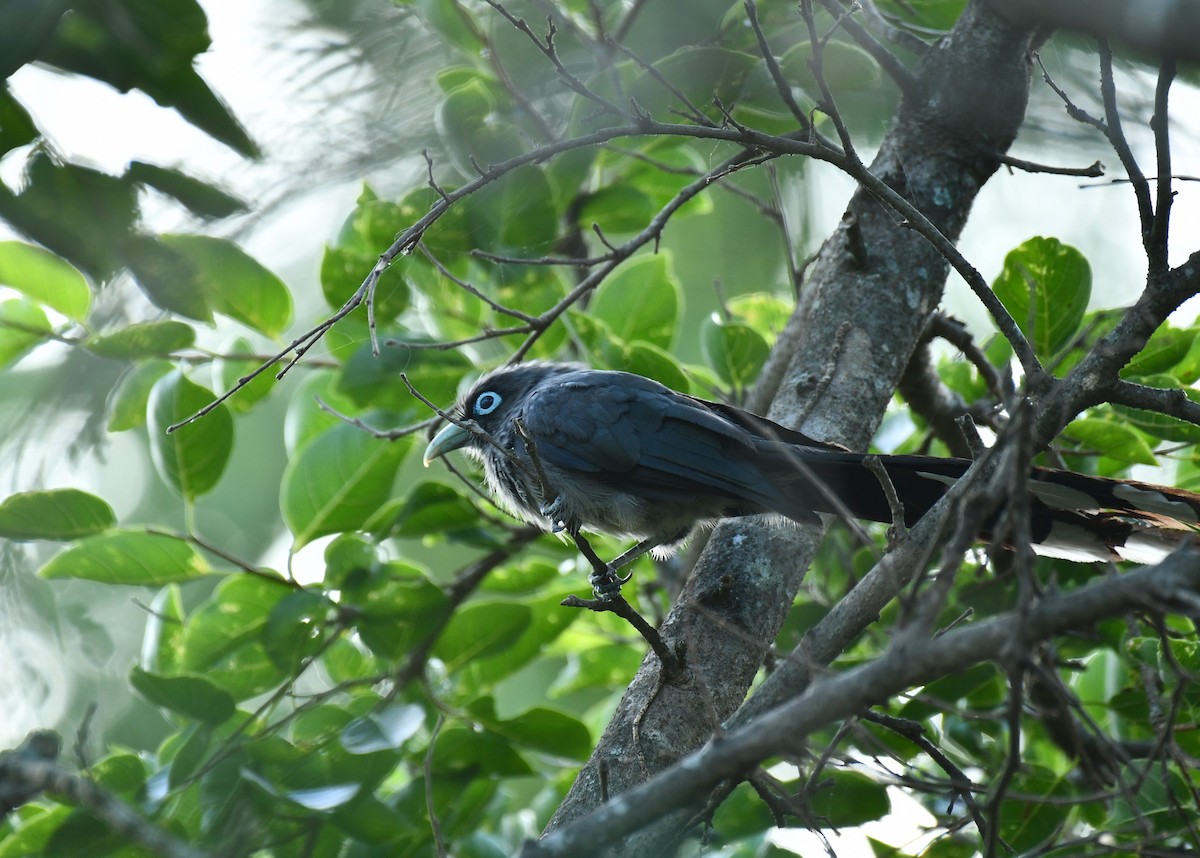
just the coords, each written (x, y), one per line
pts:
(1093, 171)
(1116, 138)
(875, 466)
(616, 604)
(1156, 242)
(781, 84)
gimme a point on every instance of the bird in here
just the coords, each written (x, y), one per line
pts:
(616, 453)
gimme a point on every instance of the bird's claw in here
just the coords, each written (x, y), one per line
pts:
(551, 510)
(606, 585)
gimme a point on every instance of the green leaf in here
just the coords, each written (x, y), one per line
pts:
(369, 230)
(199, 197)
(16, 125)
(1159, 425)
(481, 628)
(295, 629)
(235, 284)
(652, 362)
(845, 67)
(373, 381)
(701, 73)
(190, 755)
(388, 729)
(1045, 285)
(246, 672)
(305, 418)
(543, 729)
(432, 509)
(229, 371)
(337, 481)
(486, 754)
(162, 643)
(532, 574)
(319, 798)
(191, 696)
(1169, 350)
(151, 46)
(122, 773)
(1031, 820)
(233, 616)
(147, 339)
(735, 351)
(546, 621)
(54, 514)
(368, 820)
(36, 831)
(471, 126)
(852, 799)
(768, 314)
(603, 666)
(191, 459)
(58, 197)
(519, 210)
(167, 277)
(616, 209)
(129, 557)
(640, 301)
(1111, 438)
(44, 277)
(126, 405)
(23, 325)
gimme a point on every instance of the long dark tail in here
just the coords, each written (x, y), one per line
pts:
(1072, 515)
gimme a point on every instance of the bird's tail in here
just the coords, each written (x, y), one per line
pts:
(1072, 515)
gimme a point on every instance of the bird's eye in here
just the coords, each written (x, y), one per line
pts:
(486, 403)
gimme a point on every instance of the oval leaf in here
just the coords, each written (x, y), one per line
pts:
(735, 351)
(484, 628)
(46, 278)
(54, 514)
(126, 405)
(129, 557)
(337, 481)
(641, 301)
(23, 325)
(192, 696)
(383, 731)
(1111, 438)
(851, 798)
(150, 339)
(1045, 285)
(236, 284)
(191, 459)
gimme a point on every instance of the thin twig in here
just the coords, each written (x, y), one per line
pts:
(1093, 171)
(1160, 123)
(1116, 137)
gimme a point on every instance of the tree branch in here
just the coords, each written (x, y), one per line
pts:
(1172, 585)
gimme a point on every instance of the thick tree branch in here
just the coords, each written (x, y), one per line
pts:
(1172, 586)
(1163, 28)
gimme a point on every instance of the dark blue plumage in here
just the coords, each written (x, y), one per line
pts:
(627, 456)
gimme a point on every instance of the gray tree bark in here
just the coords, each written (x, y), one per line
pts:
(867, 301)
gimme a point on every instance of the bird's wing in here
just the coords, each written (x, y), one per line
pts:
(644, 438)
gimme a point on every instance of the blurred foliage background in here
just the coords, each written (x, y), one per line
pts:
(273, 630)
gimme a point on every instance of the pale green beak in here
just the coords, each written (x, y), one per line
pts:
(450, 438)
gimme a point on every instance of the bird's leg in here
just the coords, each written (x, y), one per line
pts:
(605, 582)
(551, 510)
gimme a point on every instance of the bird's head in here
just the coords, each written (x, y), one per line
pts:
(492, 403)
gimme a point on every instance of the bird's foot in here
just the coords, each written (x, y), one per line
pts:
(606, 584)
(551, 511)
